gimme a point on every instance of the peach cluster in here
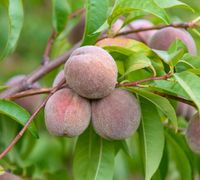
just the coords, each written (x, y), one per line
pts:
(91, 76)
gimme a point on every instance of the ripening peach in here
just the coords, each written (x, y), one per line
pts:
(91, 72)
(116, 116)
(67, 113)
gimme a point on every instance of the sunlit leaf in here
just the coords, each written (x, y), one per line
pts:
(96, 15)
(128, 6)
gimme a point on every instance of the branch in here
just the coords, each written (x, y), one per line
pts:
(19, 135)
(137, 83)
(166, 76)
(14, 141)
(53, 36)
(29, 92)
(32, 92)
(47, 51)
(184, 25)
(37, 74)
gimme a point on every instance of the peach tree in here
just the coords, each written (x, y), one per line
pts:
(122, 99)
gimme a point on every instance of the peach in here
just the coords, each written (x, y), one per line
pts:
(185, 110)
(67, 113)
(143, 36)
(58, 78)
(193, 133)
(91, 72)
(117, 116)
(163, 38)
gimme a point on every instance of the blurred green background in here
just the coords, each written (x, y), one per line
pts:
(27, 57)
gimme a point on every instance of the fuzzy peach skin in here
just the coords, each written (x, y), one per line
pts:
(116, 116)
(67, 113)
(185, 110)
(134, 25)
(163, 38)
(193, 133)
(91, 72)
(58, 78)
(9, 176)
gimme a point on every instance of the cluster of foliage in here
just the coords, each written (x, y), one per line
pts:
(157, 69)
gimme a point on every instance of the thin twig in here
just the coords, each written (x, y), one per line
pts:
(175, 25)
(14, 141)
(136, 83)
(19, 135)
(184, 25)
(53, 36)
(48, 48)
(76, 13)
(29, 92)
(166, 76)
(32, 92)
(37, 74)
(43, 70)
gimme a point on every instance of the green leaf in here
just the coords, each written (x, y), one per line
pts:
(128, 6)
(162, 103)
(16, 17)
(191, 84)
(94, 157)
(130, 47)
(170, 86)
(162, 171)
(61, 10)
(75, 5)
(18, 114)
(124, 46)
(96, 15)
(122, 145)
(172, 3)
(175, 52)
(152, 136)
(136, 62)
(188, 62)
(182, 161)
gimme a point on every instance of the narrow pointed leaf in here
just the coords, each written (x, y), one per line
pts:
(191, 84)
(152, 136)
(162, 103)
(94, 157)
(18, 114)
(16, 17)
